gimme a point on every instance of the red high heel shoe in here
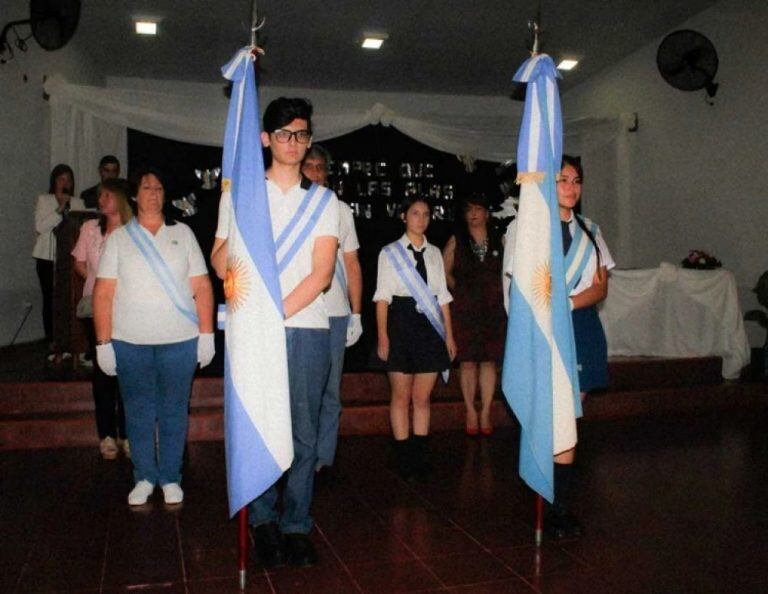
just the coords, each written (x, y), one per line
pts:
(486, 431)
(472, 431)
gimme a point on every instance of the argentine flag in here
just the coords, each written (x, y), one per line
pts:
(539, 377)
(257, 414)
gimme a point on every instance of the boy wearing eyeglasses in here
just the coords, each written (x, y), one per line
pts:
(305, 226)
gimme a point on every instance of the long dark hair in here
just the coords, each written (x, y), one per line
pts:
(575, 162)
(56, 172)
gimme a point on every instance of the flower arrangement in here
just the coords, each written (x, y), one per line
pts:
(701, 260)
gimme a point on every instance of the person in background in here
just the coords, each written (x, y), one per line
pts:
(109, 168)
(345, 325)
(153, 314)
(115, 211)
(473, 259)
(591, 347)
(50, 210)
(415, 336)
(283, 536)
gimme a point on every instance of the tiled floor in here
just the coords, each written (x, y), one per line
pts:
(671, 505)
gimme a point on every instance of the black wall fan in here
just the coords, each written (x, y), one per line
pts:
(53, 23)
(687, 60)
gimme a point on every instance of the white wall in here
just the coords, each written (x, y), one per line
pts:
(24, 168)
(696, 171)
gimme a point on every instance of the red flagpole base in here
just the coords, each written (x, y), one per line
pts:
(242, 546)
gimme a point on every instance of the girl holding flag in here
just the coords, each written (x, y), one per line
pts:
(415, 337)
(587, 262)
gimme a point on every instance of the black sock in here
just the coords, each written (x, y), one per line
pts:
(563, 474)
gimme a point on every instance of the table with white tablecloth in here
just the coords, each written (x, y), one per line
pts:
(674, 312)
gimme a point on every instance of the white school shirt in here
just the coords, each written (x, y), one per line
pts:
(282, 207)
(142, 311)
(336, 299)
(388, 281)
(589, 270)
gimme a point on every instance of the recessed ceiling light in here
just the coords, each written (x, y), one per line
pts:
(146, 28)
(567, 64)
(372, 43)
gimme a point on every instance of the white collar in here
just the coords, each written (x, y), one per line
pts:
(405, 242)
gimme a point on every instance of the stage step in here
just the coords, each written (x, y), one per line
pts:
(60, 414)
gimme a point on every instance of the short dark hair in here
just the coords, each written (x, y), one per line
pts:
(56, 172)
(109, 160)
(284, 110)
(164, 180)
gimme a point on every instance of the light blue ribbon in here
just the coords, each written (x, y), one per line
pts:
(341, 274)
(579, 236)
(306, 230)
(417, 286)
(161, 270)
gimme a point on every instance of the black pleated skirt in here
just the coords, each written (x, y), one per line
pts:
(414, 344)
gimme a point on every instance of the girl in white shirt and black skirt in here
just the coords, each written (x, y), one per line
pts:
(415, 338)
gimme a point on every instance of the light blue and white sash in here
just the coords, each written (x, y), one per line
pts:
(426, 301)
(296, 232)
(341, 273)
(578, 254)
(178, 295)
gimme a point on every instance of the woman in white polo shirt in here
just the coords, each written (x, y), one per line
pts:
(153, 312)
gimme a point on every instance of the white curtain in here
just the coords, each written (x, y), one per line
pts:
(88, 122)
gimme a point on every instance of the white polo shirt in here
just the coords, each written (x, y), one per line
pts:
(388, 281)
(336, 298)
(282, 207)
(142, 312)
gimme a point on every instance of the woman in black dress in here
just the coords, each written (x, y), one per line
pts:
(473, 261)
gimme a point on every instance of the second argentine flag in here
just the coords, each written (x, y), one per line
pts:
(539, 377)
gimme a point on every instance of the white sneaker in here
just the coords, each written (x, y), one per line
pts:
(108, 448)
(140, 493)
(173, 493)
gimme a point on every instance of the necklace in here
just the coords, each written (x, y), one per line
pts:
(479, 249)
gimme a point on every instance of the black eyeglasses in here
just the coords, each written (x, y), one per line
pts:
(301, 136)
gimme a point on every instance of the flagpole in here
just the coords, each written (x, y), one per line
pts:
(242, 542)
(242, 515)
(539, 519)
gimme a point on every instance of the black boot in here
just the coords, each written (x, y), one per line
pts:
(402, 462)
(269, 545)
(558, 521)
(420, 452)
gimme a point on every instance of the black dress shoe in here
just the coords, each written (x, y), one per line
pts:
(559, 523)
(269, 545)
(300, 550)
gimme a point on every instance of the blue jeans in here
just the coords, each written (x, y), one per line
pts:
(309, 362)
(155, 381)
(330, 408)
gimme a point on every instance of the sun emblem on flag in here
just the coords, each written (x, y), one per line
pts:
(542, 284)
(236, 283)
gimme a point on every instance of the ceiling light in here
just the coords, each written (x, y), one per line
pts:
(567, 64)
(372, 43)
(146, 28)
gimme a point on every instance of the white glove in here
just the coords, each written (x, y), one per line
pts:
(105, 357)
(354, 329)
(206, 349)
